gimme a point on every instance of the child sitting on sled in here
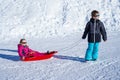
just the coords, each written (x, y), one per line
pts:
(25, 52)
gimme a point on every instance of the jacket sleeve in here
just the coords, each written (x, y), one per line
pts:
(103, 32)
(86, 31)
(20, 51)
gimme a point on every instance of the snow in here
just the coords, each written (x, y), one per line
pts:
(58, 25)
(67, 64)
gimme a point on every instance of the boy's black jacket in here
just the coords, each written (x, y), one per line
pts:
(94, 33)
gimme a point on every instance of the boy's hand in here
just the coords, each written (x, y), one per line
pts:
(105, 41)
(83, 38)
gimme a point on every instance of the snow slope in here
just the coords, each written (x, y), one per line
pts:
(68, 64)
(50, 18)
(57, 25)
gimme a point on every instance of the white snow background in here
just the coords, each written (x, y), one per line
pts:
(58, 25)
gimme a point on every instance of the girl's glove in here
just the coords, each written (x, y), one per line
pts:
(23, 58)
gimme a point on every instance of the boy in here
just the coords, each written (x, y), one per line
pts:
(94, 28)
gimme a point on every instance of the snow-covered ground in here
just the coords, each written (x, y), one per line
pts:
(58, 25)
(67, 64)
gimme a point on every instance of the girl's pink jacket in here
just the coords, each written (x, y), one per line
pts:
(25, 51)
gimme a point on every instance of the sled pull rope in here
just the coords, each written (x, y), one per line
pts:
(71, 46)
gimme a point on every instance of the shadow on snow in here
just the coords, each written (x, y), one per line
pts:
(9, 57)
(69, 58)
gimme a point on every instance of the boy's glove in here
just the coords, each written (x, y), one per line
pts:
(83, 37)
(105, 40)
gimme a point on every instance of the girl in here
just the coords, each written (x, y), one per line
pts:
(25, 52)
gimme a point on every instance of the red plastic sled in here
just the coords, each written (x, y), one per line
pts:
(42, 57)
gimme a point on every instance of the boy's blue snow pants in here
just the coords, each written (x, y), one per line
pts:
(92, 51)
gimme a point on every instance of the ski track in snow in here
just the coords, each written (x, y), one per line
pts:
(95, 69)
